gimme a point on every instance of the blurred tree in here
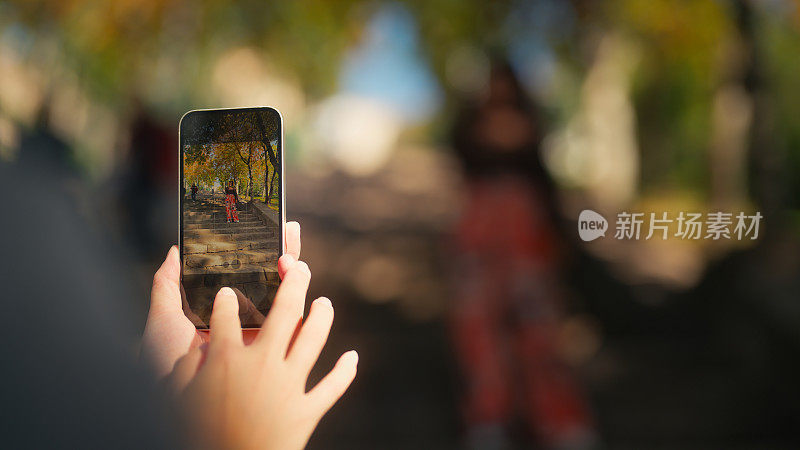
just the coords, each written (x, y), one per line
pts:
(164, 52)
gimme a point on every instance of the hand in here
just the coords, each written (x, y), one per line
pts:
(169, 333)
(247, 397)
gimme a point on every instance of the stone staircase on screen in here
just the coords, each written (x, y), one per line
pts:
(240, 255)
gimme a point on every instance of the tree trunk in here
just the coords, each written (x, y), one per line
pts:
(249, 181)
(247, 162)
(273, 159)
(271, 184)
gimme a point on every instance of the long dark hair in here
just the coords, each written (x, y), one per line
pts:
(478, 159)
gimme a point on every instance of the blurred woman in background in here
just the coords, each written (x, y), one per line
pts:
(508, 294)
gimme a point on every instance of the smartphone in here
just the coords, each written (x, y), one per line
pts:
(232, 211)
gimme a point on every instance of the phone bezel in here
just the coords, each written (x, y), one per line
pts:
(282, 185)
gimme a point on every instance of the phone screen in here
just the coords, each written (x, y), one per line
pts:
(231, 210)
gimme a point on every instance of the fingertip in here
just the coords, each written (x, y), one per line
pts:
(226, 296)
(335, 384)
(292, 265)
(351, 357)
(302, 266)
(169, 271)
(324, 301)
(287, 260)
(168, 257)
(349, 366)
(292, 239)
(225, 325)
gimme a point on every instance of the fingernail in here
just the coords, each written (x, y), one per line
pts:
(352, 354)
(227, 292)
(324, 300)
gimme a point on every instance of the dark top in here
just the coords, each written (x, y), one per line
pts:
(70, 378)
(481, 161)
(232, 191)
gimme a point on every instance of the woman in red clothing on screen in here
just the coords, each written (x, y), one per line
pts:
(231, 199)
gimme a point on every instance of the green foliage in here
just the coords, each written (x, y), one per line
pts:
(163, 53)
(245, 163)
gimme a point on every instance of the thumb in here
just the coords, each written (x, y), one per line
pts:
(165, 294)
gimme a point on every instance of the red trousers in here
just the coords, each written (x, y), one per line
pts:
(505, 314)
(230, 208)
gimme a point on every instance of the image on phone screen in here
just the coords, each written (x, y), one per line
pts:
(231, 210)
